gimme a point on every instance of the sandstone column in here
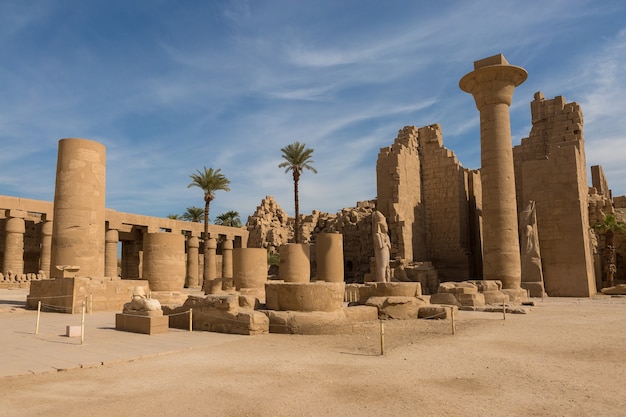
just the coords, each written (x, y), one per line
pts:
(250, 270)
(111, 239)
(210, 259)
(131, 259)
(192, 261)
(79, 206)
(295, 262)
(329, 255)
(492, 84)
(14, 243)
(164, 261)
(46, 247)
(227, 263)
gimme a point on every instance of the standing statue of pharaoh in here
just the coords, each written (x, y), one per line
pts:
(382, 246)
(531, 256)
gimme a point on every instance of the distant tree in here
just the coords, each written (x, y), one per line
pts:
(193, 214)
(609, 226)
(209, 181)
(297, 158)
(173, 216)
(230, 218)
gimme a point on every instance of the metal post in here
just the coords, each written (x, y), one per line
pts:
(503, 310)
(191, 319)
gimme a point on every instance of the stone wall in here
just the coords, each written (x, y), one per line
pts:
(269, 226)
(399, 195)
(445, 191)
(550, 169)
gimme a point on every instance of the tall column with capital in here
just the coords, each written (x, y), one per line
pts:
(492, 84)
(14, 242)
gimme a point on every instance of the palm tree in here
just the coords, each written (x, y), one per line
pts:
(230, 218)
(297, 157)
(210, 181)
(609, 226)
(193, 214)
(173, 216)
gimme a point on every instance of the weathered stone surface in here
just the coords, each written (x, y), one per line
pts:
(440, 312)
(457, 288)
(343, 321)
(389, 289)
(396, 307)
(314, 296)
(444, 298)
(141, 324)
(495, 297)
(219, 313)
(619, 289)
(68, 294)
(475, 300)
(269, 227)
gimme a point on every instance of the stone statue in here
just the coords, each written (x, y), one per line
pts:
(140, 304)
(382, 246)
(531, 256)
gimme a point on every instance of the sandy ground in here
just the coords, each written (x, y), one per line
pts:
(565, 358)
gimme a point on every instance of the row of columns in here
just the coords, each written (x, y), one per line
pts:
(15, 229)
(13, 260)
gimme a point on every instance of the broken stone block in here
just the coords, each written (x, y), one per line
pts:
(400, 308)
(437, 311)
(473, 300)
(444, 298)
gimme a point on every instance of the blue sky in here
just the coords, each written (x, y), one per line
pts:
(172, 86)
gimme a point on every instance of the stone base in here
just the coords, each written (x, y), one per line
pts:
(348, 320)
(68, 294)
(535, 289)
(518, 295)
(306, 297)
(141, 324)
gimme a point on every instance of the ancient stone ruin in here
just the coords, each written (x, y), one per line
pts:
(438, 237)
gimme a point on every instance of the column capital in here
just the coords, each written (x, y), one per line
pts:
(493, 81)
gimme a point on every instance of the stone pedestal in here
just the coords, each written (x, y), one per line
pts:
(141, 324)
(295, 296)
(329, 255)
(492, 84)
